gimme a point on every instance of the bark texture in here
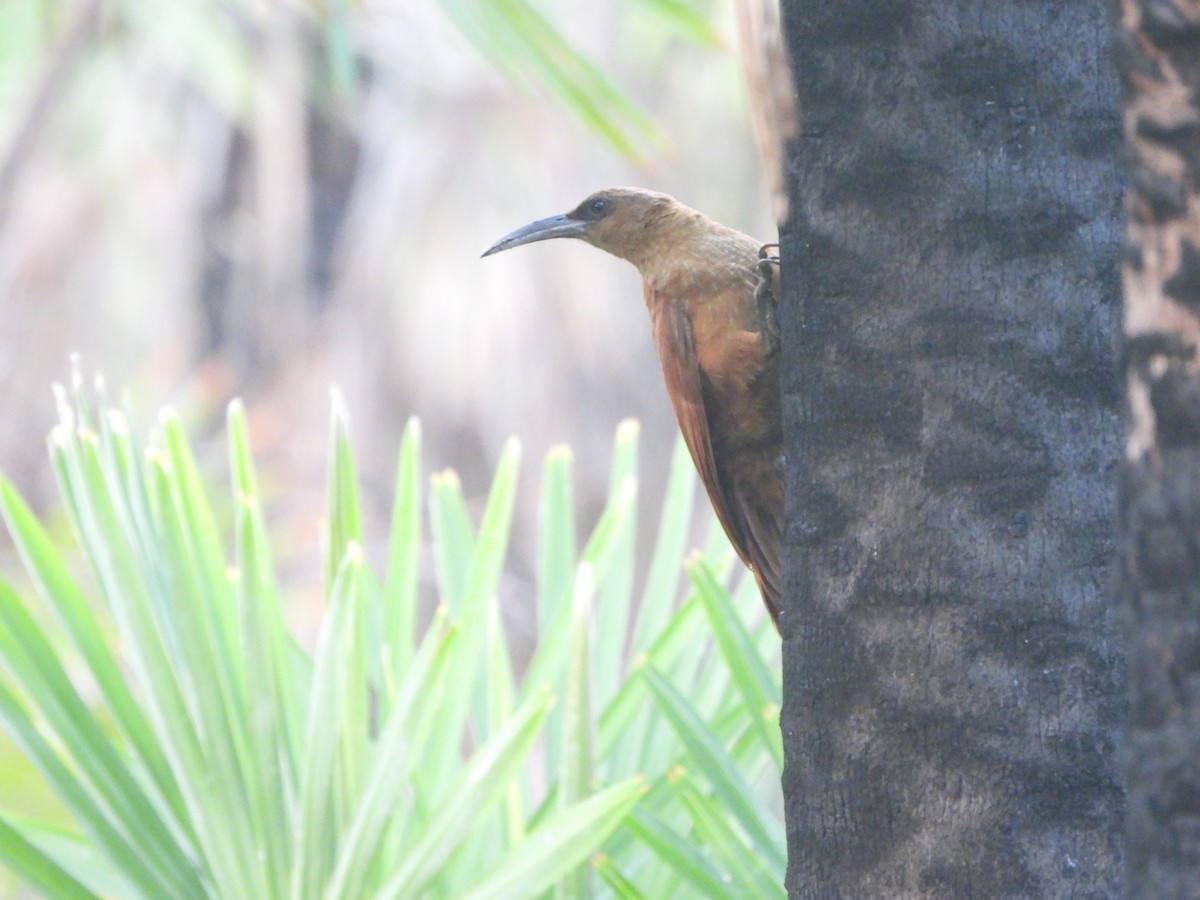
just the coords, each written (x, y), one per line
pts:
(952, 680)
(1159, 53)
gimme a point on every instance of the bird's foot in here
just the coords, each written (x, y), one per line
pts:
(766, 298)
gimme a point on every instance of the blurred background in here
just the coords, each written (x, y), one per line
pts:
(218, 198)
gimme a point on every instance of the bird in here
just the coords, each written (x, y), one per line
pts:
(710, 293)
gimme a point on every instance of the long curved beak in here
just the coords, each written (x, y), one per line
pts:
(542, 230)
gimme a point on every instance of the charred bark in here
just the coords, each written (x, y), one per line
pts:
(952, 680)
(1159, 53)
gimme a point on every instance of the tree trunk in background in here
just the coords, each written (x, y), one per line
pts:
(1160, 489)
(952, 680)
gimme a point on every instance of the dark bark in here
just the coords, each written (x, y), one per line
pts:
(1159, 53)
(952, 680)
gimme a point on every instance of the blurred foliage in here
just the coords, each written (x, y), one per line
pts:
(217, 197)
(525, 44)
(202, 752)
(215, 43)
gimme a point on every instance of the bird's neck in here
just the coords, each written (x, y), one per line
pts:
(698, 266)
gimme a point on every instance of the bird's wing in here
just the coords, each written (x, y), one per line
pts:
(753, 540)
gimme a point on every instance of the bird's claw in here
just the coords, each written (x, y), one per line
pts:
(765, 298)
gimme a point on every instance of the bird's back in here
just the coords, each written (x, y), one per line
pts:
(723, 382)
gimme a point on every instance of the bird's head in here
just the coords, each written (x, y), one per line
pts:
(627, 222)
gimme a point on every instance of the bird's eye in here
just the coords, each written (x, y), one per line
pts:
(593, 209)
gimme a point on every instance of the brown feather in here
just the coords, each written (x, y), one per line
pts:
(738, 469)
(699, 279)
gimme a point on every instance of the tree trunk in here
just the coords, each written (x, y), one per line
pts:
(1160, 488)
(952, 681)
